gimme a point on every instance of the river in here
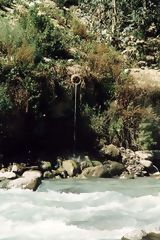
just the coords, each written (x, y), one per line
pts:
(96, 209)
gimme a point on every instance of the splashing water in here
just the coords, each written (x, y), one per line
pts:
(100, 209)
(75, 118)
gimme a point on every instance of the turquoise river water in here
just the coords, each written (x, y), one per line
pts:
(98, 209)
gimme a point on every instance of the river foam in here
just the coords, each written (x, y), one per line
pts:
(81, 210)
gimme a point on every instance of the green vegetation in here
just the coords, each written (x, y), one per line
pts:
(38, 54)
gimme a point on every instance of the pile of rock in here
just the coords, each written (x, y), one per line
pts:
(28, 180)
(29, 177)
(115, 162)
(136, 164)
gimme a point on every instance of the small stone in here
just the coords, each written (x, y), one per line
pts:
(58, 177)
(14, 168)
(45, 165)
(48, 174)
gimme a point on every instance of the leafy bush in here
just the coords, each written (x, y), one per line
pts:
(96, 121)
(79, 28)
(148, 130)
(11, 37)
(50, 41)
(5, 101)
(5, 3)
(103, 61)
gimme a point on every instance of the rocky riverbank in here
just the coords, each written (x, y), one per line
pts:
(114, 162)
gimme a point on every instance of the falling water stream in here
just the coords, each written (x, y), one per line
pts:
(75, 117)
(76, 80)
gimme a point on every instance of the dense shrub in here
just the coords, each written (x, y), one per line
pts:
(5, 101)
(5, 3)
(67, 3)
(148, 131)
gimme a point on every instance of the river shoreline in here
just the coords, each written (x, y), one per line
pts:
(114, 163)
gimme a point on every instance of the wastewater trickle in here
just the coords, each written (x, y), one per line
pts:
(76, 80)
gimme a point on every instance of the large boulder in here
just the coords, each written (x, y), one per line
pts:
(24, 183)
(72, 167)
(111, 169)
(32, 174)
(29, 180)
(7, 175)
(93, 171)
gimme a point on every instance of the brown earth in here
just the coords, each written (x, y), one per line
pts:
(146, 78)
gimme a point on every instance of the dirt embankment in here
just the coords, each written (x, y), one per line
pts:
(146, 78)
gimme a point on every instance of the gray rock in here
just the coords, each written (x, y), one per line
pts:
(96, 163)
(45, 165)
(146, 163)
(19, 168)
(24, 183)
(60, 172)
(93, 171)
(48, 174)
(112, 169)
(111, 151)
(14, 168)
(58, 177)
(32, 174)
(108, 170)
(3, 183)
(126, 175)
(85, 163)
(7, 175)
(72, 167)
(144, 155)
(29, 180)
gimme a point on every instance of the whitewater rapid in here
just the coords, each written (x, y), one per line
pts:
(102, 209)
